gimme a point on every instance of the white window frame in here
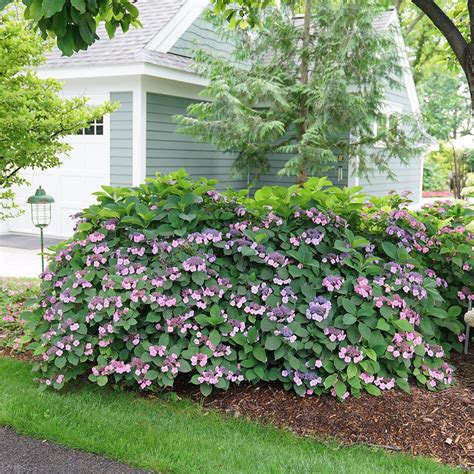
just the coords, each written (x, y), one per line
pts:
(94, 125)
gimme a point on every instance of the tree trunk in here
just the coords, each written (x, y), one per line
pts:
(304, 78)
(463, 49)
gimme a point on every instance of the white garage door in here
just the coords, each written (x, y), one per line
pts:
(84, 171)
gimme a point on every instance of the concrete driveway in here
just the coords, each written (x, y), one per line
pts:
(20, 254)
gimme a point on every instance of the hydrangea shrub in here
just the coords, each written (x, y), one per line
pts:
(309, 286)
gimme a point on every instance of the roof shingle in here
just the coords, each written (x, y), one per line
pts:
(127, 48)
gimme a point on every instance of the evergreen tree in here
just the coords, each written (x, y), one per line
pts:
(311, 85)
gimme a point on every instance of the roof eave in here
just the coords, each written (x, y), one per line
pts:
(137, 68)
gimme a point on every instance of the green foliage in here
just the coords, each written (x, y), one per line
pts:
(430, 52)
(34, 118)
(468, 191)
(14, 293)
(261, 106)
(436, 169)
(445, 106)
(309, 286)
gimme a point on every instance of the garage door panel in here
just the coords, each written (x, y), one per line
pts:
(83, 172)
(92, 186)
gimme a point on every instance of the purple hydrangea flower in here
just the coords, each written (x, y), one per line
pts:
(318, 309)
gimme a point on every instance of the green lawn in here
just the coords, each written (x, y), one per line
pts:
(176, 436)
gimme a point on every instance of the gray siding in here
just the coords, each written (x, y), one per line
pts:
(202, 35)
(408, 177)
(167, 151)
(201, 160)
(277, 162)
(121, 140)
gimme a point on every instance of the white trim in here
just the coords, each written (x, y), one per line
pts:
(143, 134)
(407, 71)
(134, 69)
(420, 190)
(165, 39)
(138, 127)
(171, 88)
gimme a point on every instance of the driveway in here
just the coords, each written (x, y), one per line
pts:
(24, 455)
(20, 254)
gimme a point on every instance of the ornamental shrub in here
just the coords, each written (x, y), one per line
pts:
(310, 286)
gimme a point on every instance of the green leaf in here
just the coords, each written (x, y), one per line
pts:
(390, 249)
(206, 389)
(373, 390)
(299, 389)
(4, 3)
(454, 311)
(420, 350)
(349, 306)
(87, 34)
(260, 354)
(403, 325)
(294, 362)
(79, 5)
(215, 337)
(152, 375)
(370, 353)
(199, 278)
(102, 380)
(66, 43)
(50, 7)
(352, 371)
(365, 331)
(383, 325)
(340, 388)
(187, 217)
(184, 366)
(252, 335)
(359, 242)
(349, 319)
(403, 384)
(60, 362)
(329, 382)
(272, 343)
(247, 252)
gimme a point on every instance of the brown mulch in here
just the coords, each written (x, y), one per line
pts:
(24, 356)
(439, 425)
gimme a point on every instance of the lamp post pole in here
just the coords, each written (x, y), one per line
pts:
(42, 249)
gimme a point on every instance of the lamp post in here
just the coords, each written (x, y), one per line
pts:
(41, 214)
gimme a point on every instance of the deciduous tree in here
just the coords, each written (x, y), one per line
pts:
(34, 117)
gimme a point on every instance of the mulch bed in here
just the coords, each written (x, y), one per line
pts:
(439, 425)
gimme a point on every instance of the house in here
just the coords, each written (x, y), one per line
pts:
(147, 70)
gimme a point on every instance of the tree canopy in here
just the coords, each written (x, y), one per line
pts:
(34, 117)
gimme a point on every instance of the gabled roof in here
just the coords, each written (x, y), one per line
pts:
(133, 46)
(384, 20)
(164, 21)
